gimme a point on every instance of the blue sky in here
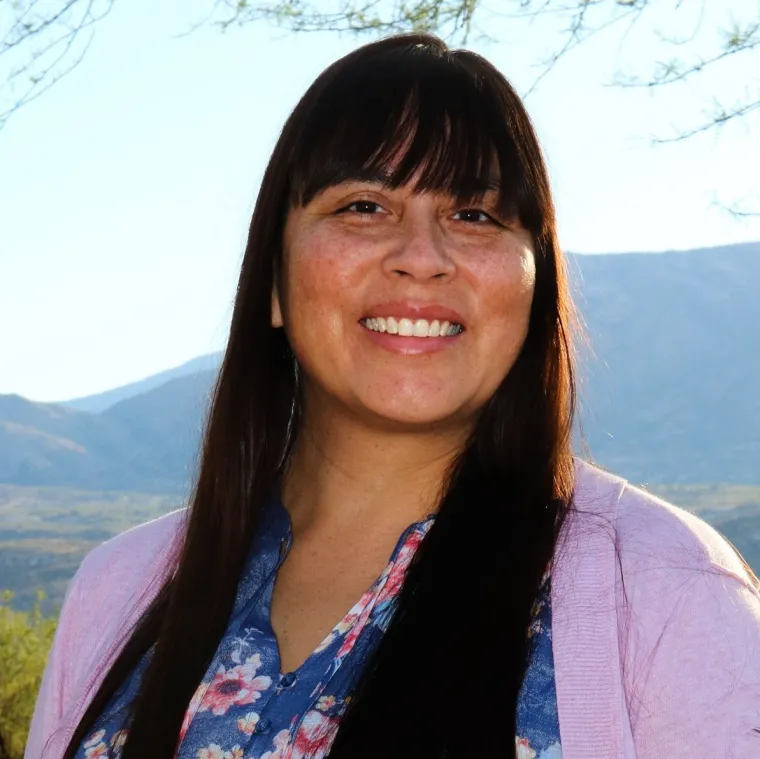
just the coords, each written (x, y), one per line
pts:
(126, 190)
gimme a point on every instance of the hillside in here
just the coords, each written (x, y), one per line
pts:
(669, 389)
(45, 532)
(147, 442)
(102, 401)
(673, 394)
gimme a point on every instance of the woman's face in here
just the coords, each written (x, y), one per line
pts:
(361, 251)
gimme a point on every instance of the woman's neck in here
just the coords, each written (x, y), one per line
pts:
(344, 472)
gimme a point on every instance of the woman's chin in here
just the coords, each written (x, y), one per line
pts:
(409, 414)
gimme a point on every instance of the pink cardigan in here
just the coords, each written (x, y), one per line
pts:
(674, 672)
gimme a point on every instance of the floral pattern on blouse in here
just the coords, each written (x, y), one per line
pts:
(246, 708)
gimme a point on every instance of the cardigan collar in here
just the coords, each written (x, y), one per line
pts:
(584, 621)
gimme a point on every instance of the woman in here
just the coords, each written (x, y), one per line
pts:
(390, 550)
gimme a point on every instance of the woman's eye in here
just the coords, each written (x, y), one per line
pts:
(364, 207)
(473, 215)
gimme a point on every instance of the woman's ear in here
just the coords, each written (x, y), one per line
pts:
(276, 311)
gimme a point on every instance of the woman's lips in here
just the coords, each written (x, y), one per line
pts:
(410, 346)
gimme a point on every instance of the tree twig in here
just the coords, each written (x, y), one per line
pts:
(45, 40)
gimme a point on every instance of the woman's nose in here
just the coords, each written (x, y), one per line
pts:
(421, 252)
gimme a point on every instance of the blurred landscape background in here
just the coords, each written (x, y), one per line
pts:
(133, 137)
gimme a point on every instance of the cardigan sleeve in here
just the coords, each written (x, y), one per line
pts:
(113, 586)
(54, 692)
(692, 656)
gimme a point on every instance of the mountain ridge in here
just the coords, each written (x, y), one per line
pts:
(104, 400)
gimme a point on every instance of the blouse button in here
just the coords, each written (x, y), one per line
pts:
(288, 679)
(262, 726)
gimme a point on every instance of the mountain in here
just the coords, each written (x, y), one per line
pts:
(147, 442)
(669, 387)
(102, 401)
(673, 394)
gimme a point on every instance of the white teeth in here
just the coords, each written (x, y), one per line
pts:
(412, 328)
(406, 327)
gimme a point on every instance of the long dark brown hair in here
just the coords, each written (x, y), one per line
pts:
(472, 585)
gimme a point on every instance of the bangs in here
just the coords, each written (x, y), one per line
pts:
(411, 113)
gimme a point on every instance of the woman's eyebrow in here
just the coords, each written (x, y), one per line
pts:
(330, 178)
(370, 176)
(334, 178)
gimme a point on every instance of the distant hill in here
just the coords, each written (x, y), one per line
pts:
(674, 392)
(671, 396)
(147, 442)
(102, 401)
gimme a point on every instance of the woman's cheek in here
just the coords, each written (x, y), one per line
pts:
(325, 264)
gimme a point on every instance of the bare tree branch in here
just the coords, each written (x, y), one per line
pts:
(740, 214)
(27, 26)
(41, 42)
(578, 30)
(450, 18)
(718, 117)
(737, 42)
(739, 209)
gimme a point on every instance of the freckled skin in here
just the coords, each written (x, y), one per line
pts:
(393, 246)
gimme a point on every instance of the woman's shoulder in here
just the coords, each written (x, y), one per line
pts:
(650, 530)
(685, 619)
(667, 530)
(115, 579)
(114, 584)
(128, 556)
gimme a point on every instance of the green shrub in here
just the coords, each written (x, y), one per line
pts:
(25, 640)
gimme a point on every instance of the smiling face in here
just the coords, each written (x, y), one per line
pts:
(360, 257)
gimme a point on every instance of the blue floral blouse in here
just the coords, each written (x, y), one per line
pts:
(245, 707)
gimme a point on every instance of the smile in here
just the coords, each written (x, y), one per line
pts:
(412, 327)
